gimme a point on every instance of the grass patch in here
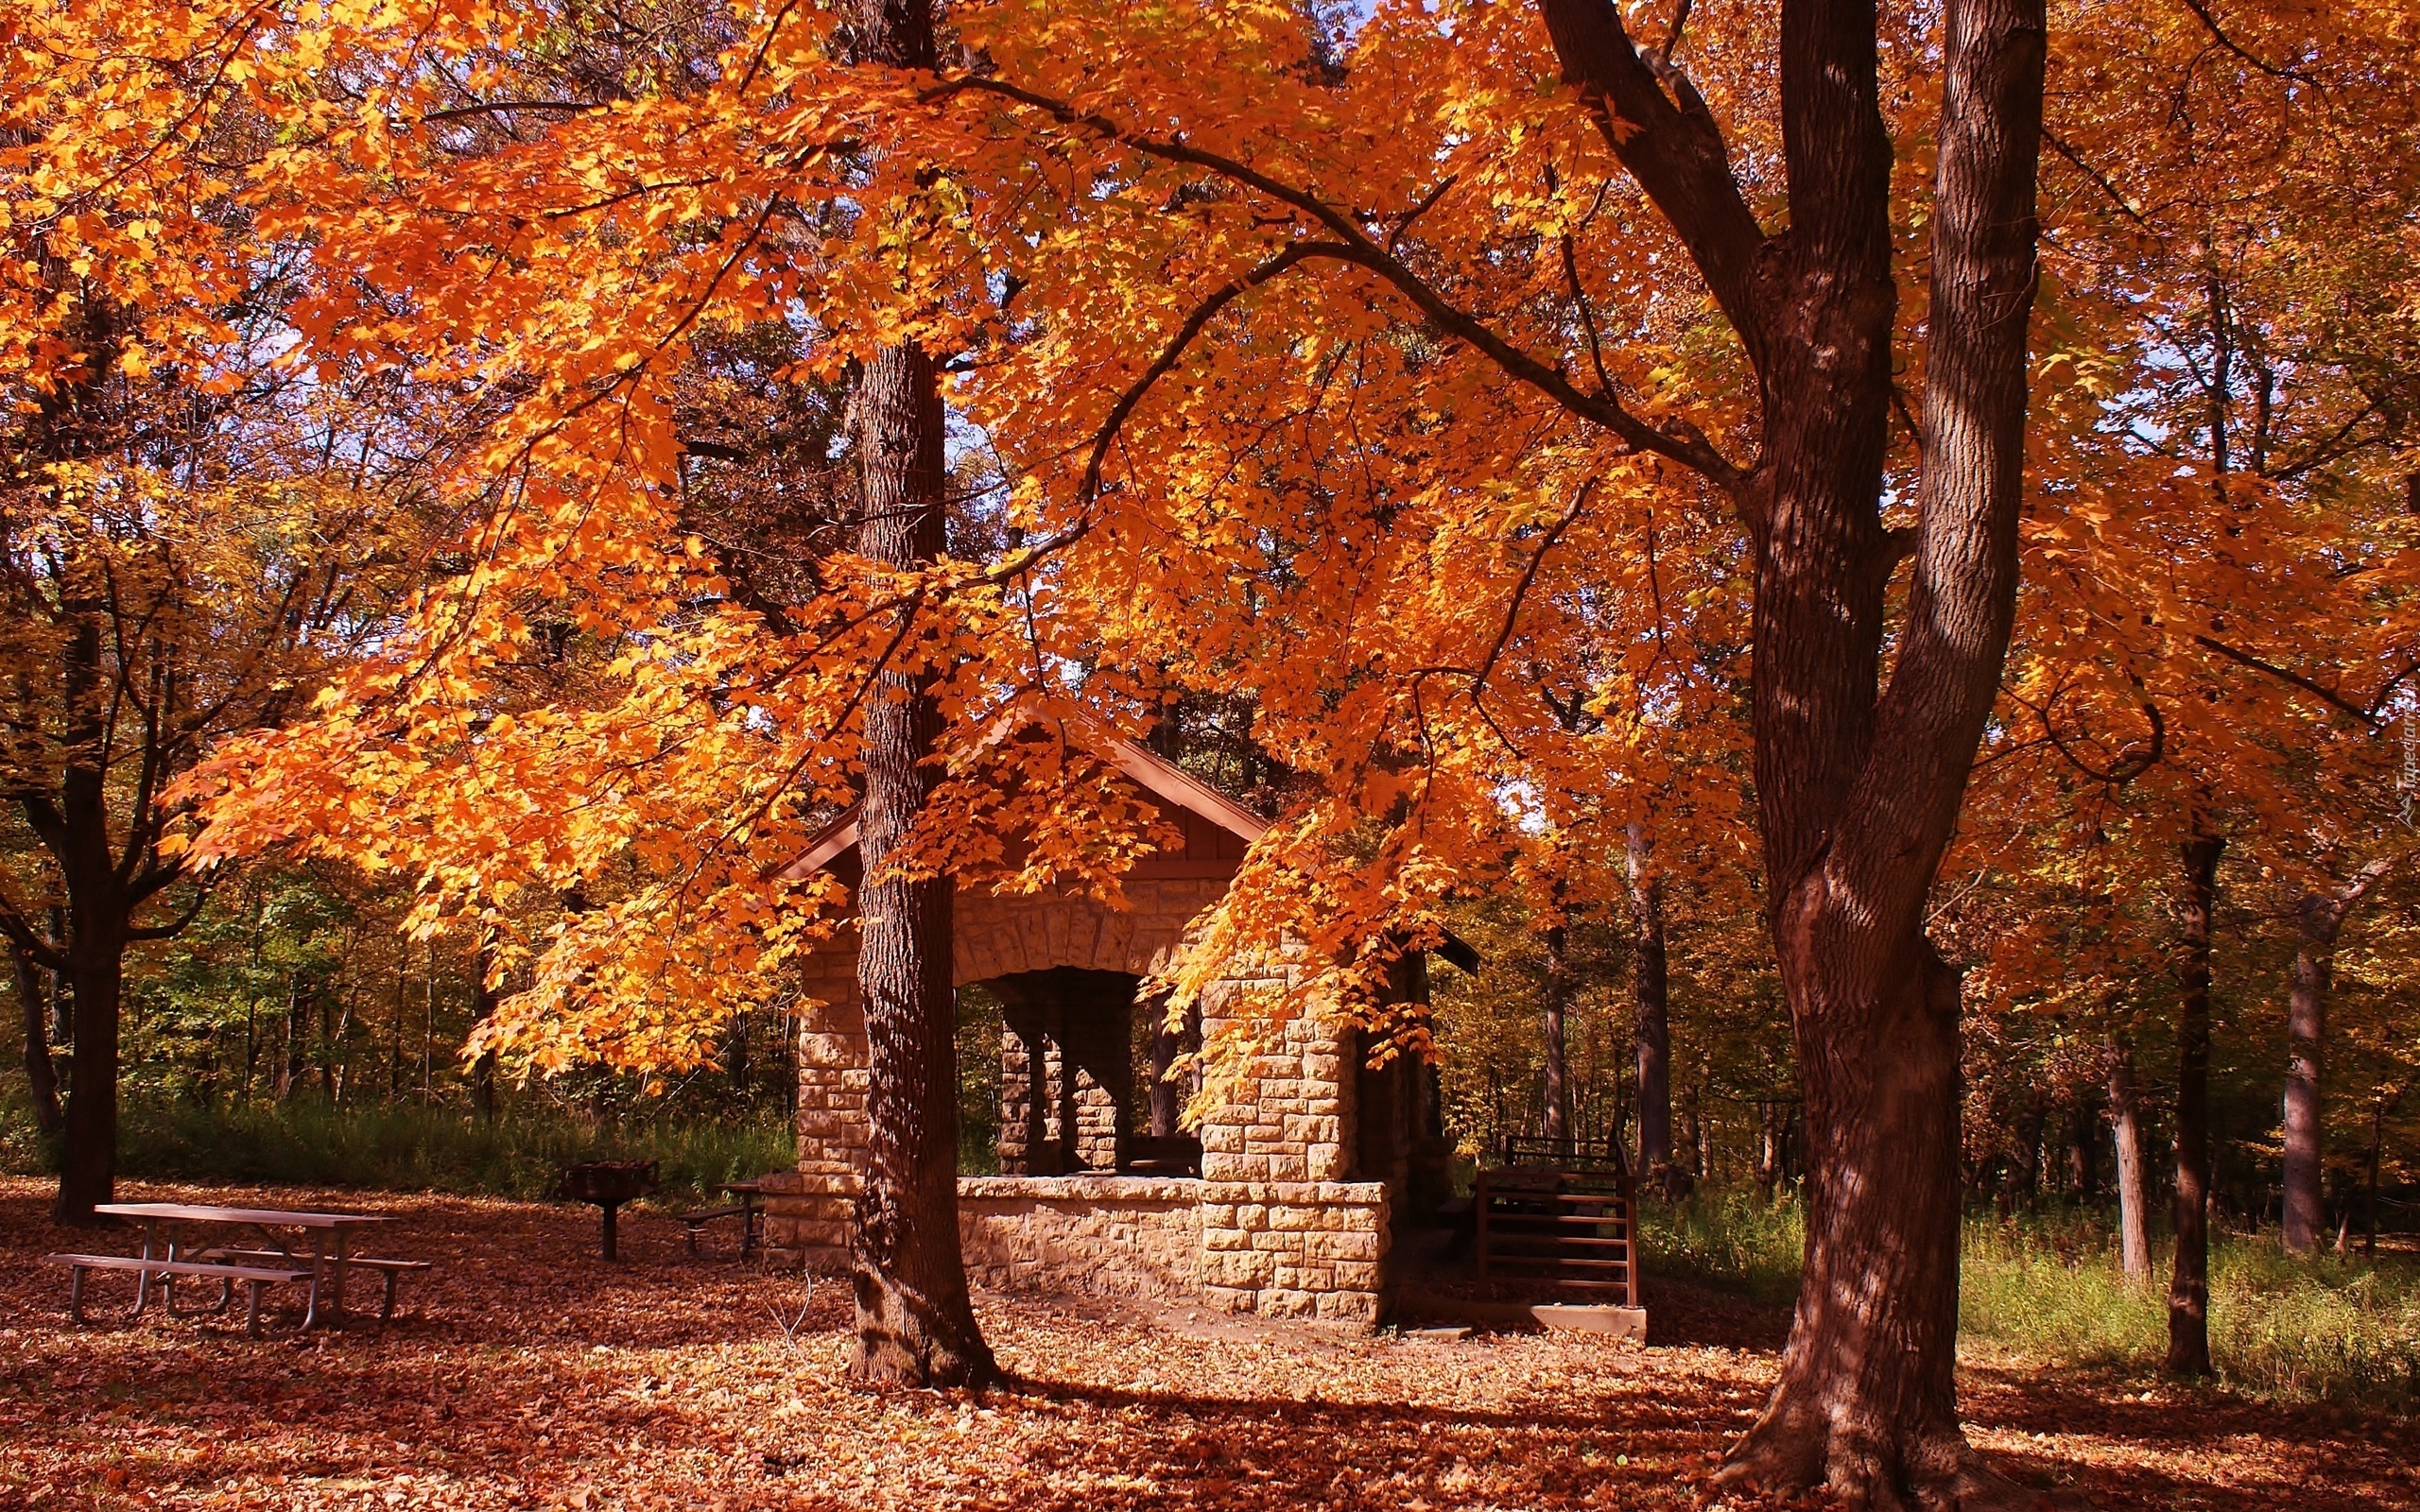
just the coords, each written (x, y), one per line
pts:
(2328, 1329)
(410, 1148)
(1727, 1240)
(2343, 1331)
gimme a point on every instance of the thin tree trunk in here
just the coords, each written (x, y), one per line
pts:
(2306, 1033)
(395, 1035)
(428, 1030)
(482, 1069)
(2319, 920)
(42, 1076)
(2125, 1122)
(2188, 1286)
(1649, 998)
(289, 1075)
(1557, 1120)
(915, 1323)
(2084, 1147)
(2378, 1146)
(735, 1059)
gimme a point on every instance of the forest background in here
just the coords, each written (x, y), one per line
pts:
(540, 634)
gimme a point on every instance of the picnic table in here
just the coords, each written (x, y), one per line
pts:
(313, 1247)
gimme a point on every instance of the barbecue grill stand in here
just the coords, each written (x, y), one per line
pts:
(608, 1185)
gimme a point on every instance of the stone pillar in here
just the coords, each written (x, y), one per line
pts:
(1291, 1115)
(808, 1214)
(1066, 1071)
(1031, 1083)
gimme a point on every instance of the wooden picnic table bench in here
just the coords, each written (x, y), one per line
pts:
(746, 1209)
(388, 1270)
(321, 1264)
(253, 1277)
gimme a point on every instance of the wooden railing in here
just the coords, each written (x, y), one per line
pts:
(1571, 1227)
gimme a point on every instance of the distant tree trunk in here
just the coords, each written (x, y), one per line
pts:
(1771, 1152)
(2125, 1122)
(1689, 1152)
(2188, 1286)
(34, 990)
(298, 1039)
(2084, 1147)
(336, 1028)
(1649, 994)
(483, 1069)
(1557, 1120)
(2024, 1172)
(736, 1064)
(428, 1029)
(395, 1038)
(2319, 919)
(2378, 1108)
(915, 1323)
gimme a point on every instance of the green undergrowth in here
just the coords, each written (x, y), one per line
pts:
(407, 1147)
(2336, 1330)
(2343, 1331)
(1727, 1240)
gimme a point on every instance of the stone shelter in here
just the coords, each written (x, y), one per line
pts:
(1284, 1202)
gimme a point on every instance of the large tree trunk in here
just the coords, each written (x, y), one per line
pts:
(1858, 793)
(88, 1164)
(2319, 920)
(1653, 1033)
(2126, 1123)
(2189, 1285)
(915, 1323)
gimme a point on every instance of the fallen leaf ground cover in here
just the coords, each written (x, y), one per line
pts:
(525, 1372)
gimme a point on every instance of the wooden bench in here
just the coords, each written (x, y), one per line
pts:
(253, 1277)
(692, 1222)
(389, 1269)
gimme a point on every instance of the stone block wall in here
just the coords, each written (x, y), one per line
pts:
(1307, 1249)
(1291, 1113)
(1295, 1248)
(1094, 1235)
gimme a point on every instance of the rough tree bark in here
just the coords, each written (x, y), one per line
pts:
(2126, 1126)
(2188, 1283)
(1858, 785)
(1654, 1034)
(2318, 919)
(915, 1323)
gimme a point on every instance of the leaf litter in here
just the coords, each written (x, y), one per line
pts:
(528, 1373)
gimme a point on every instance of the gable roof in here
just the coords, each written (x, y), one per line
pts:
(1155, 774)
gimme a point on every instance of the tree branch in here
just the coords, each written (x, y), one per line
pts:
(1675, 151)
(1679, 441)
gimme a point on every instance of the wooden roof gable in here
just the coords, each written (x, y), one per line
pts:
(1217, 828)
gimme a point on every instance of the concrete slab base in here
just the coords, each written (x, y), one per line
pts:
(1578, 1317)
